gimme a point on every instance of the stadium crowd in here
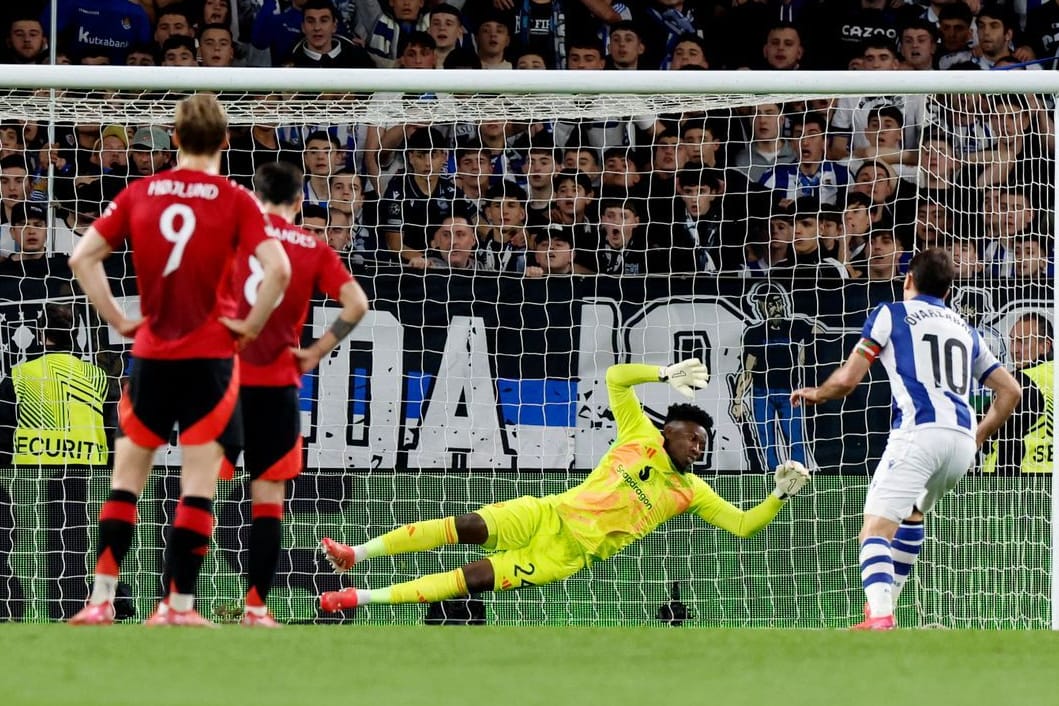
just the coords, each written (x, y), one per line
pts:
(835, 188)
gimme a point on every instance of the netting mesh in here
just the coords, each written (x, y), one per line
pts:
(754, 232)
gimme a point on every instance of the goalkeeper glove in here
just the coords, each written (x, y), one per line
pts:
(790, 478)
(686, 376)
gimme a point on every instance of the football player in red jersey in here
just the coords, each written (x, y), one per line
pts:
(271, 368)
(184, 226)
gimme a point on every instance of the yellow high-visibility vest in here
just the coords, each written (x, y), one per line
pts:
(59, 412)
(1038, 441)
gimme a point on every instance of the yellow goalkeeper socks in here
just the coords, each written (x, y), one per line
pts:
(428, 589)
(416, 537)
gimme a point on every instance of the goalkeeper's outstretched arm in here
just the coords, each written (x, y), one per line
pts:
(790, 478)
(685, 377)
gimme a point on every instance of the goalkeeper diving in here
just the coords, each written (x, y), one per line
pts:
(643, 480)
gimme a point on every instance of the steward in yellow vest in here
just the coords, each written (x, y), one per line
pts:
(54, 408)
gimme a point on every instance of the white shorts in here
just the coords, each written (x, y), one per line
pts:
(918, 467)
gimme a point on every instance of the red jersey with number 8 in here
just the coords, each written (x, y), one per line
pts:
(184, 228)
(315, 267)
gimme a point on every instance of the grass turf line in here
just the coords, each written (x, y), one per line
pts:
(392, 666)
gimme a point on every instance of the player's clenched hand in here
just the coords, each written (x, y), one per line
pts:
(807, 396)
(790, 478)
(686, 376)
(127, 327)
(244, 332)
(308, 358)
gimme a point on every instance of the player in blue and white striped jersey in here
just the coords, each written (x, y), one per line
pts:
(930, 355)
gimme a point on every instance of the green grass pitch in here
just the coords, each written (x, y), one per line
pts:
(434, 666)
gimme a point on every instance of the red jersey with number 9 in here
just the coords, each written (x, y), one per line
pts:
(315, 267)
(184, 228)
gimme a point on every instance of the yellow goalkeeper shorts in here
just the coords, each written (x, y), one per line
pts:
(531, 545)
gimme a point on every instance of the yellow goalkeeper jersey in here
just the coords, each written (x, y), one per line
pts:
(635, 487)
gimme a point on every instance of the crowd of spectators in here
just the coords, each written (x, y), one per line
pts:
(839, 188)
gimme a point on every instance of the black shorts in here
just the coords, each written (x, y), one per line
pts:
(198, 394)
(272, 447)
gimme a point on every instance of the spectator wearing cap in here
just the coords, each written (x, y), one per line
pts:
(110, 155)
(492, 39)
(179, 50)
(30, 273)
(626, 48)
(812, 174)
(454, 246)
(277, 28)
(767, 146)
(321, 46)
(216, 46)
(502, 228)
(401, 17)
(446, 27)
(26, 41)
(919, 45)
(418, 199)
(553, 249)
(151, 151)
(114, 25)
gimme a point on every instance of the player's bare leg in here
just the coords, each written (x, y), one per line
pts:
(266, 534)
(189, 539)
(414, 537)
(117, 524)
(471, 578)
(877, 572)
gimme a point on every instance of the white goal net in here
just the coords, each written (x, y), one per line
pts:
(753, 230)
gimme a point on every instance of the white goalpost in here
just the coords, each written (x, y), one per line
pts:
(478, 381)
